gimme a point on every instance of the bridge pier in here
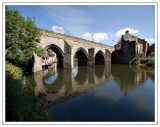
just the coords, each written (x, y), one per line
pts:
(37, 63)
(68, 58)
(91, 59)
(107, 57)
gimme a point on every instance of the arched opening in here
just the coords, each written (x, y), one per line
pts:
(99, 58)
(58, 52)
(80, 57)
(114, 57)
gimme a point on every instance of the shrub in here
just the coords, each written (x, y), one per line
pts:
(21, 105)
(143, 61)
(13, 70)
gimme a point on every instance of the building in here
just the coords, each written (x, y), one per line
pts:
(128, 47)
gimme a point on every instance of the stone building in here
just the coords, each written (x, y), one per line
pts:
(151, 50)
(127, 48)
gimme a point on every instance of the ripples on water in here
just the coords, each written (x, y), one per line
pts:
(100, 93)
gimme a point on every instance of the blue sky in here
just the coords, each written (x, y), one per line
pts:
(104, 23)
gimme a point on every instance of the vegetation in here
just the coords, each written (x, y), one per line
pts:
(143, 61)
(22, 38)
(21, 105)
(14, 71)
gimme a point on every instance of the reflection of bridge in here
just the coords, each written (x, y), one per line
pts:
(67, 84)
(62, 84)
(66, 47)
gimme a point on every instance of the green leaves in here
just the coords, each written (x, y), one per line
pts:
(140, 60)
(22, 37)
(14, 71)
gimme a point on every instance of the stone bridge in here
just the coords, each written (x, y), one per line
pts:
(89, 53)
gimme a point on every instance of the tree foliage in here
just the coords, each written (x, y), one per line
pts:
(14, 71)
(22, 37)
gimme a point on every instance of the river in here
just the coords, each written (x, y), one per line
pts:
(100, 93)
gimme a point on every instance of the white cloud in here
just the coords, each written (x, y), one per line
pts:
(58, 29)
(100, 37)
(96, 37)
(87, 36)
(122, 31)
(150, 41)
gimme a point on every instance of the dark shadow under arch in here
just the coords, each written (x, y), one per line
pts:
(99, 58)
(82, 57)
(114, 57)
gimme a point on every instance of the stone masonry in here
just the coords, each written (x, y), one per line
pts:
(66, 47)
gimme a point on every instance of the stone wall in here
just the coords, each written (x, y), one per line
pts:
(67, 46)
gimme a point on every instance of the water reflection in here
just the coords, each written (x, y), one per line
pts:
(127, 78)
(100, 93)
(60, 84)
(82, 75)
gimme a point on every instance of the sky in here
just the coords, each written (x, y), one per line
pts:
(100, 23)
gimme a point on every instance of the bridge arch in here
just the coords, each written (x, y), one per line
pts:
(82, 56)
(59, 54)
(114, 57)
(99, 58)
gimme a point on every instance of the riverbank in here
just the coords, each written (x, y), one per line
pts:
(143, 61)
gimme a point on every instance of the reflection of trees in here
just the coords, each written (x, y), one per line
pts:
(127, 78)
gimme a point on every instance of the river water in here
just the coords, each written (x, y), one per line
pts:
(100, 93)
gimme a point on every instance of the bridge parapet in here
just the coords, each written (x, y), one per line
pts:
(75, 39)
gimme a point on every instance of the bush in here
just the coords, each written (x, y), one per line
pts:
(13, 70)
(21, 105)
(136, 61)
(143, 61)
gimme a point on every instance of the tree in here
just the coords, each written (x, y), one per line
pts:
(22, 37)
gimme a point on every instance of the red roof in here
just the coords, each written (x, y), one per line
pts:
(133, 38)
